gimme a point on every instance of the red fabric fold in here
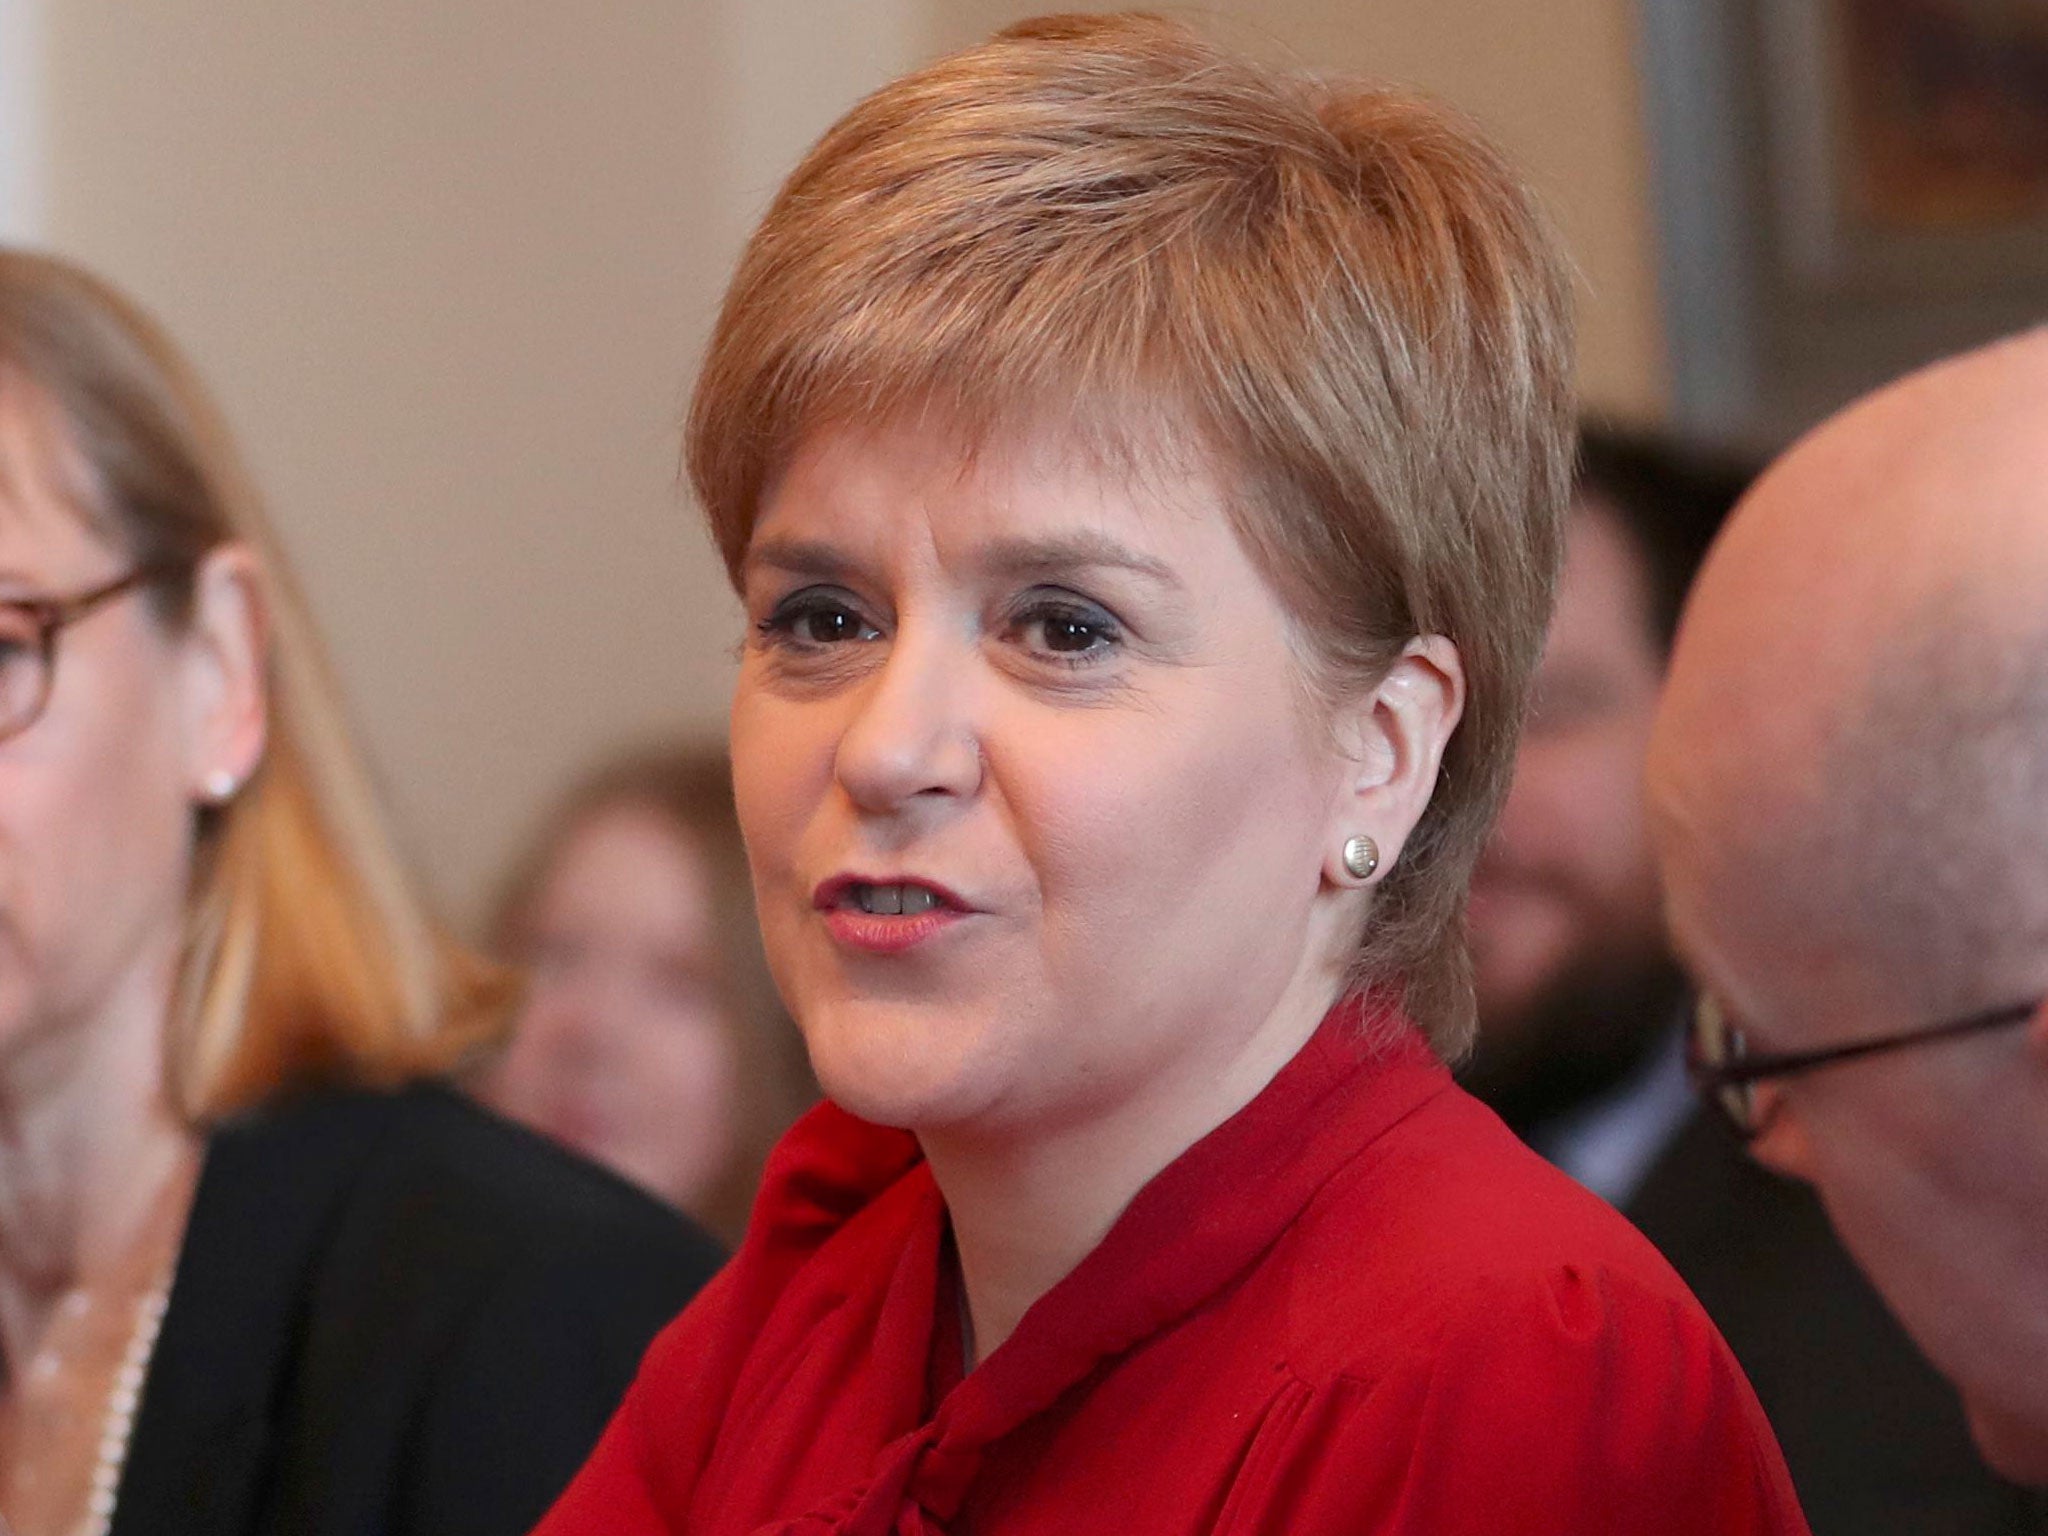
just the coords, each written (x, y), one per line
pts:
(1357, 1306)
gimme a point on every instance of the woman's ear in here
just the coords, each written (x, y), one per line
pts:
(1394, 739)
(225, 674)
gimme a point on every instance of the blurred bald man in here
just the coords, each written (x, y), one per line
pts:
(1848, 791)
(1581, 1044)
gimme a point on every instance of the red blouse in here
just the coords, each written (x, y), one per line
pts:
(1359, 1306)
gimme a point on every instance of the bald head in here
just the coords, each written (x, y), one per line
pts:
(1853, 745)
(1848, 792)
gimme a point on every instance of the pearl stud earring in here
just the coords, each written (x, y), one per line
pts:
(1361, 856)
(221, 786)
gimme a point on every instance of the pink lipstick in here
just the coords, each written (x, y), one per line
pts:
(886, 914)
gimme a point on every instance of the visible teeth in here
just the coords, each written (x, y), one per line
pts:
(895, 900)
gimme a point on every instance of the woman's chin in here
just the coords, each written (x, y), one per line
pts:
(901, 1079)
(908, 1099)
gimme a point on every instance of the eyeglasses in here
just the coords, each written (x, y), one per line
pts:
(29, 628)
(1726, 1071)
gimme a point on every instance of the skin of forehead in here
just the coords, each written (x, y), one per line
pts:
(1933, 488)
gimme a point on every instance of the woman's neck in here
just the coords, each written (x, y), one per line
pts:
(89, 1150)
(1028, 1205)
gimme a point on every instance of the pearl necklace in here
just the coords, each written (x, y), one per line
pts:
(155, 1254)
(117, 1428)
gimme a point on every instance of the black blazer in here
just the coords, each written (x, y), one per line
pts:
(394, 1314)
(1875, 1439)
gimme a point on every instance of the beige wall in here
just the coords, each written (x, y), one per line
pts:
(449, 264)
(1554, 82)
(21, 118)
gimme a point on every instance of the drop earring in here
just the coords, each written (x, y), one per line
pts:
(1361, 856)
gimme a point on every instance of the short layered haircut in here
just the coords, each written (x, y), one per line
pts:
(1339, 295)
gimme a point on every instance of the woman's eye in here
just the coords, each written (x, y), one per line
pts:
(1068, 630)
(1065, 632)
(818, 618)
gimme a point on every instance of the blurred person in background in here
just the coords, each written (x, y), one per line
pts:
(1848, 793)
(1580, 1044)
(1142, 472)
(1582, 1011)
(257, 1273)
(650, 1036)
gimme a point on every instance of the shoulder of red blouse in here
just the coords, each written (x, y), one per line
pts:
(828, 1169)
(1546, 1371)
(1467, 1334)
(1444, 1214)
(1579, 1405)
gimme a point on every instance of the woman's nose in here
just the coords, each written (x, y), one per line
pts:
(913, 732)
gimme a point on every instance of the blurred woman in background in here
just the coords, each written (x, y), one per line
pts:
(257, 1275)
(650, 1037)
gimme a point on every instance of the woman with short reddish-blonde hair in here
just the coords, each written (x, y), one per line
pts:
(1142, 471)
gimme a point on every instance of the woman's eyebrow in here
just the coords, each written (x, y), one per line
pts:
(1038, 559)
(813, 558)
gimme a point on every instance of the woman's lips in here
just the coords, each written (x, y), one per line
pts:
(886, 915)
(887, 935)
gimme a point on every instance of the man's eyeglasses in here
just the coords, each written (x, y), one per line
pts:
(29, 628)
(1726, 1071)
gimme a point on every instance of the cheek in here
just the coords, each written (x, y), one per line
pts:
(773, 832)
(1590, 820)
(2013, 1443)
(1135, 828)
(1895, 1212)
(698, 1053)
(1536, 814)
(1587, 792)
(782, 771)
(95, 839)
(554, 1023)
